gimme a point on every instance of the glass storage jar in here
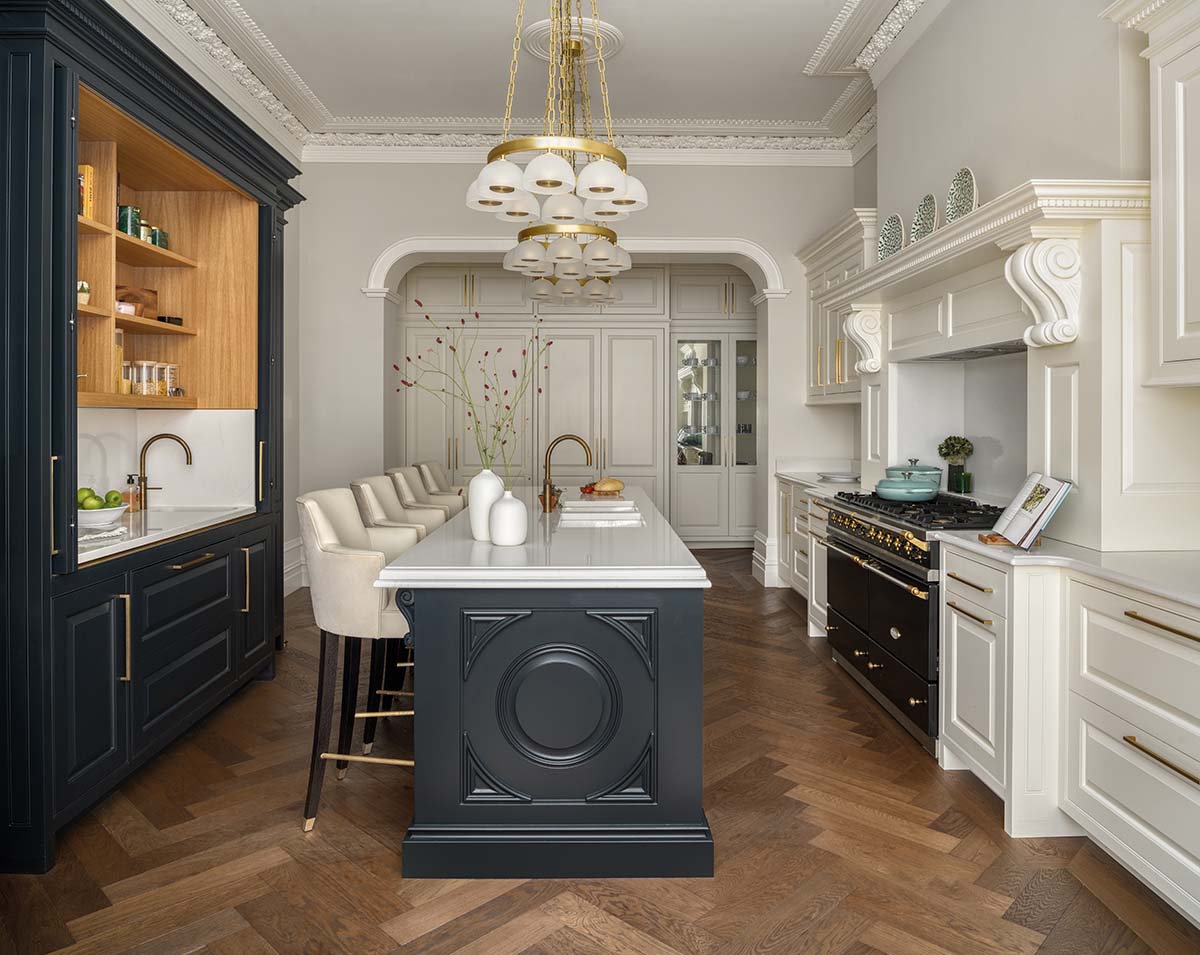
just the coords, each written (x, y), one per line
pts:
(125, 386)
(143, 378)
(160, 378)
(172, 378)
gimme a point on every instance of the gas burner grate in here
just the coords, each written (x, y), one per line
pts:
(944, 512)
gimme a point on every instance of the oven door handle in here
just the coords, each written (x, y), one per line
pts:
(862, 562)
(915, 591)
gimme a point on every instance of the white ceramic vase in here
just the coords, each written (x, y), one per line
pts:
(509, 521)
(484, 490)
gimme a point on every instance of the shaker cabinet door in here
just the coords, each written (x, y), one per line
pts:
(440, 290)
(632, 403)
(257, 588)
(426, 417)
(569, 403)
(91, 695)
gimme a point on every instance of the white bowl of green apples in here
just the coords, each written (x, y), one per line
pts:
(99, 510)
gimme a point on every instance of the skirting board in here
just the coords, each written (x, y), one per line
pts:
(294, 576)
(764, 566)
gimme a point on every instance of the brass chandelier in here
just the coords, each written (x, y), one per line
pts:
(573, 187)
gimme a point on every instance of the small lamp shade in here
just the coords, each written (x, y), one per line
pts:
(500, 178)
(568, 290)
(529, 253)
(569, 270)
(481, 203)
(603, 211)
(564, 249)
(599, 250)
(549, 175)
(635, 198)
(600, 179)
(566, 209)
(521, 208)
(541, 290)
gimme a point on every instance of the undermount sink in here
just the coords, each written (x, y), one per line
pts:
(610, 515)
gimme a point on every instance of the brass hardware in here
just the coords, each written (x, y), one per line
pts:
(570, 230)
(573, 144)
(456, 454)
(472, 289)
(966, 613)
(837, 362)
(725, 300)
(404, 663)
(447, 452)
(913, 701)
(820, 366)
(464, 290)
(603, 454)
(916, 541)
(309, 823)
(128, 638)
(816, 503)
(858, 560)
(246, 606)
(547, 484)
(1134, 615)
(830, 627)
(395, 692)
(194, 562)
(823, 541)
(144, 482)
(859, 653)
(260, 469)
(963, 580)
(53, 549)
(915, 591)
(894, 633)
(381, 713)
(344, 757)
(1141, 748)
(874, 666)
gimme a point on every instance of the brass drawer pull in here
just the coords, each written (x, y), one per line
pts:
(246, 605)
(1190, 777)
(1134, 615)
(128, 639)
(914, 701)
(194, 562)
(874, 666)
(824, 542)
(963, 580)
(859, 653)
(830, 627)
(820, 366)
(966, 613)
(816, 503)
(916, 541)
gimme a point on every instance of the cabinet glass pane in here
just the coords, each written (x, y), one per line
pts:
(698, 403)
(745, 377)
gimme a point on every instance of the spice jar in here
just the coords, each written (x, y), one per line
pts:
(172, 378)
(145, 232)
(125, 386)
(143, 378)
(159, 237)
(129, 219)
(160, 378)
(119, 356)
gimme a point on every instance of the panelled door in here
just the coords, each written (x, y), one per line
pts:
(500, 351)
(426, 416)
(700, 475)
(632, 438)
(439, 289)
(570, 404)
(741, 388)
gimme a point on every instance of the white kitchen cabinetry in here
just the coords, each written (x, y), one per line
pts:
(714, 440)
(426, 417)
(818, 563)
(1174, 55)
(702, 296)
(643, 293)
(570, 404)
(800, 543)
(783, 530)
(509, 342)
(840, 254)
(454, 289)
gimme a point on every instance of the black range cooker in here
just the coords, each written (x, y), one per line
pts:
(883, 597)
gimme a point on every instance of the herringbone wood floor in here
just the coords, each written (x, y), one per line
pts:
(835, 834)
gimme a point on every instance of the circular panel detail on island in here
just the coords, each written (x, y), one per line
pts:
(558, 705)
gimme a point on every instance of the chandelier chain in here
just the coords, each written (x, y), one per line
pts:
(599, 40)
(585, 96)
(512, 69)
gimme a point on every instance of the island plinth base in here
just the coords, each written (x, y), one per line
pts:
(558, 734)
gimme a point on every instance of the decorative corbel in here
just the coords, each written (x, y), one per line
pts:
(864, 327)
(1045, 274)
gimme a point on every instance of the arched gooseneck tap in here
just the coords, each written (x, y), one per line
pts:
(143, 480)
(548, 484)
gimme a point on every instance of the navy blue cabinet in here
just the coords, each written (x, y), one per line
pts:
(258, 589)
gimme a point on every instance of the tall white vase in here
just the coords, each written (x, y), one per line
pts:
(509, 521)
(484, 490)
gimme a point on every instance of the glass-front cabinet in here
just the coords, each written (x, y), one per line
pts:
(715, 457)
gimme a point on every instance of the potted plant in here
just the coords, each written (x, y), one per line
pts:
(955, 450)
(490, 388)
(83, 292)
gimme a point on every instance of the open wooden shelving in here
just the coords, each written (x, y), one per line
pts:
(209, 276)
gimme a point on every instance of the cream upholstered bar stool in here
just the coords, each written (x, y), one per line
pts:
(343, 558)
(380, 506)
(437, 481)
(412, 492)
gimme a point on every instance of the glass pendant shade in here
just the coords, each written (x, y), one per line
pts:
(481, 203)
(600, 179)
(510, 260)
(541, 290)
(614, 292)
(568, 290)
(569, 270)
(595, 290)
(603, 211)
(521, 208)
(564, 249)
(600, 268)
(529, 253)
(599, 250)
(500, 178)
(621, 259)
(566, 209)
(542, 269)
(549, 175)
(635, 198)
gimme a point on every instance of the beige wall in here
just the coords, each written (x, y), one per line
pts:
(866, 172)
(1017, 90)
(354, 211)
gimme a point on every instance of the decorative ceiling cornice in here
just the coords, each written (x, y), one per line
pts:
(883, 37)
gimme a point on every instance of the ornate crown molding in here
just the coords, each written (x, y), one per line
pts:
(864, 327)
(1046, 276)
(888, 30)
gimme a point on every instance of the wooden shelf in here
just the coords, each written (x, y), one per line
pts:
(143, 255)
(92, 227)
(99, 399)
(149, 326)
(94, 310)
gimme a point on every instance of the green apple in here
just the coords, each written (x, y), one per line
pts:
(113, 499)
(93, 503)
(83, 494)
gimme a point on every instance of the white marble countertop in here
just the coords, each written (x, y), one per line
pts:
(813, 479)
(552, 557)
(1174, 575)
(154, 526)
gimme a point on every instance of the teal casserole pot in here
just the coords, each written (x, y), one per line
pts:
(919, 472)
(906, 488)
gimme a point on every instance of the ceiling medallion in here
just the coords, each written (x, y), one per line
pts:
(573, 186)
(535, 39)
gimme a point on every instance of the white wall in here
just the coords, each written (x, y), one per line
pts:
(1017, 90)
(995, 420)
(363, 208)
(866, 174)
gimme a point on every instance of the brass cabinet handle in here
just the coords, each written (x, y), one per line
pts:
(261, 445)
(53, 548)
(472, 288)
(816, 503)
(916, 541)
(464, 289)
(963, 580)
(914, 701)
(830, 627)
(837, 362)
(603, 453)
(874, 666)
(456, 454)
(859, 653)
(821, 366)
(194, 562)
(966, 613)
(1133, 741)
(915, 591)
(246, 603)
(1134, 615)
(128, 638)
(824, 542)
(447, 452)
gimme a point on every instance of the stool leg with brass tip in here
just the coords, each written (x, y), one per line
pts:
(374, 684)
(350, 661)
(322, 726)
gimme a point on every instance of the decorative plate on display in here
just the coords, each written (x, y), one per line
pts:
(963, 196)
(838, 477)
(891, 236)
(925, 219)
